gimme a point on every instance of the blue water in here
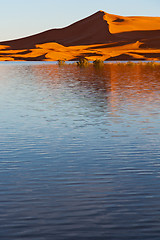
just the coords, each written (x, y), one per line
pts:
(79, 152)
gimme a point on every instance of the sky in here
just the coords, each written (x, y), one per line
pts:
(20, 18)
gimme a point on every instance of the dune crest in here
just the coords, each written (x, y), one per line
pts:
(101, 35)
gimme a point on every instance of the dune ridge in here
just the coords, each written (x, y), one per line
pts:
(102, 35)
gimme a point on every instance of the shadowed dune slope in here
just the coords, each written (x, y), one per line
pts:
(101, 35)
(151, 43)
(91, 30)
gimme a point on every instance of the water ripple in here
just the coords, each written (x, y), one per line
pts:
(79, 152)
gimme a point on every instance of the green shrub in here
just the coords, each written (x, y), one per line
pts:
(82, 62)
(98, 63)
(61, 62)
(130, 63)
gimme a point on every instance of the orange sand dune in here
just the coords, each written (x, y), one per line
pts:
(101, 35)
(119, 24)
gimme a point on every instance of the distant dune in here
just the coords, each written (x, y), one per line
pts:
(100, 36)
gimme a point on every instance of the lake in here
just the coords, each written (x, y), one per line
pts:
(79, 152)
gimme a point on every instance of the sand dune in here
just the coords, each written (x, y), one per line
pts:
(101, 35)
(119, 24)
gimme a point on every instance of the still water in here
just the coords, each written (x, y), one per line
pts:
(79, 152)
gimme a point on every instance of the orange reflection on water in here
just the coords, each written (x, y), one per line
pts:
(123, 84)
(137, 84)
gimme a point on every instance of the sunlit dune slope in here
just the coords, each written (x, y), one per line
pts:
(119, 24)
(99, 36)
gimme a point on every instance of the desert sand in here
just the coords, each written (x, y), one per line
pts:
(100, 36)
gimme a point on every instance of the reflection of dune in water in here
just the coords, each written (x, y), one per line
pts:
(88, 85)
(136, 87)
(115, 84)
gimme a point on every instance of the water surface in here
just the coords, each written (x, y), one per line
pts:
(79, 152)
